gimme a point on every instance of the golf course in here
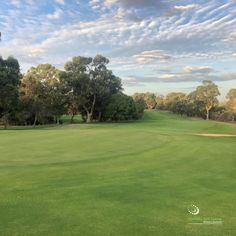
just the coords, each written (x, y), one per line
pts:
(119, 179)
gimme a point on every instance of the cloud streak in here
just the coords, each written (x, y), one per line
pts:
(176, 78)
(152, 57)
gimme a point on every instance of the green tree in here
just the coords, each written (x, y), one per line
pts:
(91, 84)
(121, 107)
(194, 107)
(43, 93)
(149, 98)
(9, 84)
(140, 106)
(160, 102)
(231, 103)
(176, 102)
(207, 94)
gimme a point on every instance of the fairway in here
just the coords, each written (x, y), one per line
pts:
(136, 178)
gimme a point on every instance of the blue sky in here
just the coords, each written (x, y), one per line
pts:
(153, 45)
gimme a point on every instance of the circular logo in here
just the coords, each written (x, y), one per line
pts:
(194, 210)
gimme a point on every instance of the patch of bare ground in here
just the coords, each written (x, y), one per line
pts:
(217, 135)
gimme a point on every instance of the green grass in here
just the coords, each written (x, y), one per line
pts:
(118, 179)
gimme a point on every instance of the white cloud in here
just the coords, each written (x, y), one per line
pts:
(95, 4)
(30, 2)
(62, 2)
(109, 3)
(16, 3)
(231, 37)
(153, 56)
(185, 8)
(55, 15)
(198, 69)
(134, 3)
(176, 77)
(186, 74)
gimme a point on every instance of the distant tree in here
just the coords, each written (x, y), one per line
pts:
(9, 84)
(231, 103)
(207, 94)
(176, 102)
(160, 102)
(149, 98)
(120, 107)
(140, 106)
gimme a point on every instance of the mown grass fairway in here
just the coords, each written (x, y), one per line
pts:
(118, 179)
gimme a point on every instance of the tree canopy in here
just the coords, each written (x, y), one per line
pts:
(91, 84)
(231, 103)
(9, 84)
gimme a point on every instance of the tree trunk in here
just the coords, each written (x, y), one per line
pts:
(233, 118)
(35, 120)
(207, 115)
(90, 113)
(5, 120)
(57, 121)
(89, 118)
(99, 116)
(72, 119)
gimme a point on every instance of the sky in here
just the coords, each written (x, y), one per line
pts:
(153, 45)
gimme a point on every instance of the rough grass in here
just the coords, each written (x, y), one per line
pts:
(118, 179)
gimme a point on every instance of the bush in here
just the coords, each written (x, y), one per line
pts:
(226, 116)
(121, 107)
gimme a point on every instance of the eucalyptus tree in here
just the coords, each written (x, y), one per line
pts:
(176, 102)
(91, 84)
(207, 94)
(231, 103)
(43, 93)
(9, 83)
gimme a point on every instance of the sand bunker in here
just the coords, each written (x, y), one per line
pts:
(217, 135)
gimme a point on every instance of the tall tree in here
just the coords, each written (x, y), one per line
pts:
(9, 84)
(43, 93)
(231, 103)
(91, 84)
(207, 93)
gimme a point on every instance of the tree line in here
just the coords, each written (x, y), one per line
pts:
(86, 86)
(202, 102)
